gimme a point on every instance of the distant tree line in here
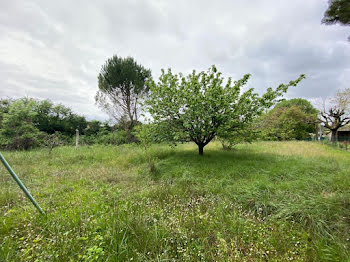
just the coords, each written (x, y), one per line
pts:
(27, 123)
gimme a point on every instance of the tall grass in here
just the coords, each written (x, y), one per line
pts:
(268, 201)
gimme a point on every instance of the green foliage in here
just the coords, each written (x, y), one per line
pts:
(104, 137)
(265, 201)
(93, 128)
(198, 106)
(302, 103)
(337, 12)
(145, 135)
(121, 84)
(232, 137)
(18, 130)
(290, 119)
(56, 123)
(49, 118)
(52, 118)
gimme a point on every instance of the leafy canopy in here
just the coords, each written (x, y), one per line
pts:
(17, 128)
(304, 105)
(338, 12)
(21, 119)
(291, 119)
(197, 106)
(52, 118)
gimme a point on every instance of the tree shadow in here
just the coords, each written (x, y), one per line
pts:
(243, 163)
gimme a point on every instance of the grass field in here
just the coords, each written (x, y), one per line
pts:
(267, 201)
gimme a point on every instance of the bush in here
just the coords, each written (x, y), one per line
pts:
(17, 128)
(27, 123)
(105, 138)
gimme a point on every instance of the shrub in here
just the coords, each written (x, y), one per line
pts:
(18, 130)
(145, 134)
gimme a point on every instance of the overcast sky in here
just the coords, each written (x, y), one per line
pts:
(55, 49)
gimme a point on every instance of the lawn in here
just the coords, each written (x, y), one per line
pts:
(266, 201)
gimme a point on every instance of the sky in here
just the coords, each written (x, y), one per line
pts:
(55, 49)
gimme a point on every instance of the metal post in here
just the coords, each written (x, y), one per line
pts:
(21, 185)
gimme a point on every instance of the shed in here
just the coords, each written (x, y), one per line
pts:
(344, 133)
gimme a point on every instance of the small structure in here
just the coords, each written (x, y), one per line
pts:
(344, 133)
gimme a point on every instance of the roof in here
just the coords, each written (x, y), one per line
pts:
(344, 129)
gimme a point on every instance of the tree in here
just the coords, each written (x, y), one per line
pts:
(53, 140)
(338, 12)
(121, 84)
(290, 119)
(196, 107)
(337, 114)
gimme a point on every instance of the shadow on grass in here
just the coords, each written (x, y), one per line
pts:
(236, 164)
(292, 188)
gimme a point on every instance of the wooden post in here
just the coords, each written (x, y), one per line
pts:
(76, 138)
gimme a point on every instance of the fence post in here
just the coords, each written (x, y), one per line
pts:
(21, 185)
(76, 138)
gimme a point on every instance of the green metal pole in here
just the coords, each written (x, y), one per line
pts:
(21, 185)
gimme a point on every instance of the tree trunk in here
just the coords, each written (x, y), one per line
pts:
(200, 149)
(334, 136)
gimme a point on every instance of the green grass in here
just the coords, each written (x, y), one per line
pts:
(268, 201)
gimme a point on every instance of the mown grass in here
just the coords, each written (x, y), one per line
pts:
(268, 201)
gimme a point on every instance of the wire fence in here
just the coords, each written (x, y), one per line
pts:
(341, 142)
